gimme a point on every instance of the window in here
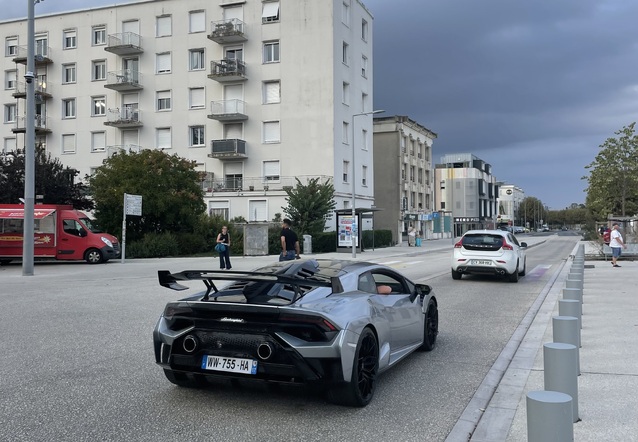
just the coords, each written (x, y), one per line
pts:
(345, 13)
(10, 113)
(98, 141)
(196, 60)
(346, 166)
(345, 95)
(98, 106)
(364, 66)
(364, 138)
(163, 138)
(344, 55)
(364, 30)
(98, 70)
(270, 12)
(68, 143)
(163, 26)
(219, 208)
(271, 52)
(69, 39)
(68, 73)
(196, 21)
(271, 132)
(42, 45)
(163, 63)
(196, 98)
(163, 100)
(364, 102)
(98, 35)
(271, 170)
(345, 131)
(10, 79)
(9, 145)
(364, 175)
(68, 108)
(196, 137)
(11, 46)
(272, 92)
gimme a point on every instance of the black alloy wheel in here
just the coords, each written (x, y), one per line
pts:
(456, 275)
(513, 277)
(430, 327)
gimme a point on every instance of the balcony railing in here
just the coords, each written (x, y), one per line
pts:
(227, 31)
(258, 184)
(228, 149)
(127, 117)
(125, 43)
(42, 55)
(124, 80)
(40, 124)
(40, 88)
(228, 110)
(227, 69)
(111, 150)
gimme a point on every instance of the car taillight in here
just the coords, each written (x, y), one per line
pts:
(176, 310)
(506, 246)
(322, 323)
(458, 245)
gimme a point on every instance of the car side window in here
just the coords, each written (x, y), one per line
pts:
(384, 279)
(72, 227)
(366, 283)
(513, 239)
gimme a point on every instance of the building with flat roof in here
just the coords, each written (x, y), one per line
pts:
(257, 93)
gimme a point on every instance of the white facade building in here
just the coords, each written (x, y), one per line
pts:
(509, 201)
(257, 93)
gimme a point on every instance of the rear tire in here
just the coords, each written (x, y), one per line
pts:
(524, 268)
(360, 390)
(430, 327)
(513, 277)
(456, 275)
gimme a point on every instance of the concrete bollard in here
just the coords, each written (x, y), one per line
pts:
(577, 269)
(573, 283)
(559, 362)
(549, 417)
(573, 293)
(565, 330)
(571, 307)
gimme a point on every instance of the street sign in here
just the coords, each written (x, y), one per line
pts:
(133, 204)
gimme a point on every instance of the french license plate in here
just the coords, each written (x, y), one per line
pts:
(481, 262)
(232, 365)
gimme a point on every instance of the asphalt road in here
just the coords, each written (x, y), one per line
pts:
(78, 364)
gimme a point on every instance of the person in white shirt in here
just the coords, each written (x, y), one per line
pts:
(616, 243)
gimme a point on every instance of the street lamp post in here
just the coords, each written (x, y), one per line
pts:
(354, 215)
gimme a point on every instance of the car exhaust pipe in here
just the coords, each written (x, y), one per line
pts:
(189, 344)
(264, 351)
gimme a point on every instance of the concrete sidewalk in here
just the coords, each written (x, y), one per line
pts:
(608, 385)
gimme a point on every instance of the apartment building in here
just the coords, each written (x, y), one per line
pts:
(257, 93)
(404, 182)
(509, 201)
(467, 191)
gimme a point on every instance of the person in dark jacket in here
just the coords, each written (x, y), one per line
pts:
(223, 238)
(289, 242)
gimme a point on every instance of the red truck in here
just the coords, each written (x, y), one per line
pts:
(60, 232)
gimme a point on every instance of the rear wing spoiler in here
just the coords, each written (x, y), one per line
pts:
(169, 280)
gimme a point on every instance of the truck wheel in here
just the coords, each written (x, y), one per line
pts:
(93, 256)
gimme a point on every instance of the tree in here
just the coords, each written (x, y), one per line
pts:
(172, 198)
(54, 181)
(613, 176)
(530, 211)
(310, 205)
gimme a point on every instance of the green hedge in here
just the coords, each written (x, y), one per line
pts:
(382, 238)
(154, 245)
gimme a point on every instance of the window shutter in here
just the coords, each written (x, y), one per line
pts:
(163, 138)
(271, 131)
(68, 143)
(272, 92)
(197, 21)
(270, 12)
(98, 141)
(163, 26)
(164, 62)
(271, 169)
(198, 98)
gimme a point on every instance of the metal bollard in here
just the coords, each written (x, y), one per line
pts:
(549, 417)
(571, 307)
(565, 330)
(572, 293)
(559, 362)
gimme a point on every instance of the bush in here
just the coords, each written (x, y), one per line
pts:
(382, 238)
(154, 245)
(324, 242)
(192, 243)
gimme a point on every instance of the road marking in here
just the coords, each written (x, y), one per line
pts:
(387, 263)
(538, 271)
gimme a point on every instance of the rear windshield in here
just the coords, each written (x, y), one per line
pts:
(482, 241)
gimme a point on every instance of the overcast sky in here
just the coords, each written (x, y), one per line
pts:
(531, 87)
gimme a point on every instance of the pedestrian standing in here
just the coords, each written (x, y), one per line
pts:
(223, 247)
(616, 243)
(289, 242)
(411, 237)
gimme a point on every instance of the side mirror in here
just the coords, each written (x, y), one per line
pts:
(524, 244)
(82, 233)
(423, 290)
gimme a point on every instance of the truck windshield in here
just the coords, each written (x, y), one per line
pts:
(91, 225)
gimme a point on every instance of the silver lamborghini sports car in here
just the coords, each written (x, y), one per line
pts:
(330, 322)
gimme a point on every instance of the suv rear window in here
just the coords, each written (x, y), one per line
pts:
(482, 242)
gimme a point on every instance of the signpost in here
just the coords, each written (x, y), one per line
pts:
(132, 206)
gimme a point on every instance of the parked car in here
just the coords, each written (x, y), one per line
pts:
(519, 229)
(489, 252)
(329, 322)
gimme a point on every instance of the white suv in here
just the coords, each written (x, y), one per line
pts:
(489, 252)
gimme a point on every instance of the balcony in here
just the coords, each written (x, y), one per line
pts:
(227, 70)
(228, 110)
(123, 118)
(126, 43)
(227, 31)
(230, 149)
(260, 184)
(42, 55)
(40, 125)
(125, 80)
(116, 148)
(40, 88)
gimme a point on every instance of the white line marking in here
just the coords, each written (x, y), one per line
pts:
(387, 263)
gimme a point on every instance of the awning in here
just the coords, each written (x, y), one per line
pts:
(19, 213)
